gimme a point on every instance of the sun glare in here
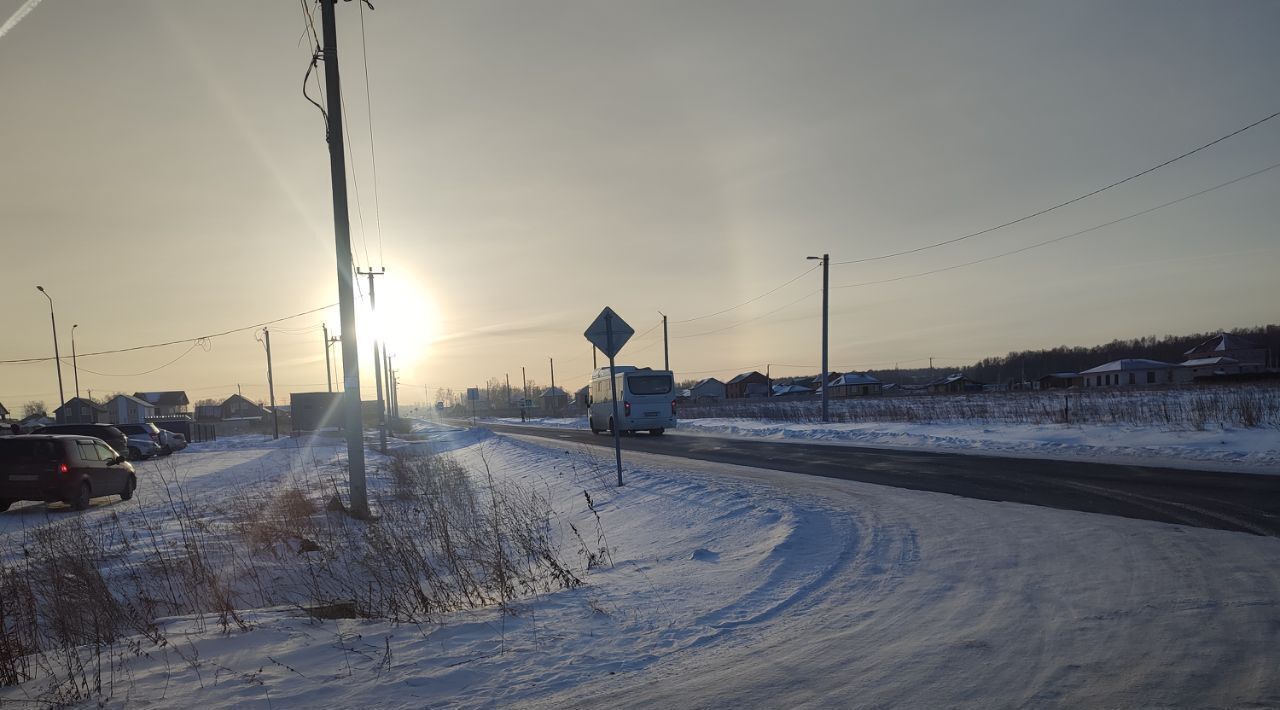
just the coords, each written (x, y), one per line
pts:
(405, 319)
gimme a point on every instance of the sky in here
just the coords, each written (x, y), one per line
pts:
(164, 178)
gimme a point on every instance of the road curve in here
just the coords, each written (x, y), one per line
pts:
(1224, 501)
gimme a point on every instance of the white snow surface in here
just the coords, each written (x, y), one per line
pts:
(740, 587)
(1240, 449)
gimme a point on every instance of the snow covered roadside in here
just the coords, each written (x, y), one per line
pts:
(1244, 450)
(717, 585)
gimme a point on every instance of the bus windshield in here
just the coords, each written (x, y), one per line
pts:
(649, 384)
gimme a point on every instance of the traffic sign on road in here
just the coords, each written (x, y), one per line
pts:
(608, 332)
(473, 393)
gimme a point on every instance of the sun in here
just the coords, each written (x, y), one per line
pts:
(406, 318)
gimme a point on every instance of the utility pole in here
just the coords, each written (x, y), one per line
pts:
(377, 361)
(525, 381)
(74, 367)
(271, 387)
(57, 359)
(508, 376)
(386, 373)
(553, 374)
(342, 245)
(666, 360)
(826, 290)
(328, 374)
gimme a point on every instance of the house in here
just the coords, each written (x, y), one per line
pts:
(79, 410)
(580, 397)
(1061, 381)
(554, 399)
(208, 412)
(748, 384)
(855, 384)
(1135, 372)
(1219, 366)
(167, 404)
(1229, 346)
(792, 390)
(4, 413)
(124, 409)
(955, 384)
(33, 421)
(707, 390)
(240, 407)
(815, 384)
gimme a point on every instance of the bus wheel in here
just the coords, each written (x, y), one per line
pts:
(592, 424)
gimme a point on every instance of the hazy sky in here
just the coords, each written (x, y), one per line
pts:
(163, 178)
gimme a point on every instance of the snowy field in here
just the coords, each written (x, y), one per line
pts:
(1232, 449)
(713, 585)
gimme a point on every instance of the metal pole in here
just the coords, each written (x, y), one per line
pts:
(553, 374)
(377, 361)
(328, 374)
(613, 389)
(57, 359)
(74, 367)
(271, 388)
(508, 376)
(525, 382)
(342, 244)
(666, 360)
(826, 264)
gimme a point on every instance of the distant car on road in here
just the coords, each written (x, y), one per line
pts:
(68, 468)
(115, 438)
(439, 406)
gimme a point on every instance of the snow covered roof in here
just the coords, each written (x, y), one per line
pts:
(554, 392)
(706, 380)
(854, 378)
(1221, 343)
(133, 399)
(1130, 364)
(1062, 375)
(164, 399)
(955, 377)
(744, 376)
(791, 389)
(1207, 361)
(82, 401)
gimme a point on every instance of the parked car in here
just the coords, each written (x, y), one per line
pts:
(68, 468)
(115, 438)
(146, 438)
(171, 441)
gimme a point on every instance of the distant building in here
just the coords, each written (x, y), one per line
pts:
(1135, 372)
(240, 407)
(167, 404)
(748, 384)
(39, 419)
(208, 412)
(1229, 346)
(124, 409)
(554, 399)
(707, 390)
(791, 390)
(4, 412)
(955, 384)
(1219, 366)
(855, 384)
(1061, 381)
(79, 410)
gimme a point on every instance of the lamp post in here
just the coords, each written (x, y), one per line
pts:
(75, 369)
(57, 359)
(826, 263)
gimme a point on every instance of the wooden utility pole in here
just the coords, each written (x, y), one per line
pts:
(553, 374)
(377, 360)
(342, 244)
(826, 290)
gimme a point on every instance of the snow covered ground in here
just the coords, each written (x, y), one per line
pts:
(1242, 449)
(739, 587)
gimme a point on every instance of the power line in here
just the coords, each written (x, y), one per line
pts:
(176, 342)
(373, 155)
(146, 372)
(753, 300)
(1046, 242)
(1073, 200)
(749, 320)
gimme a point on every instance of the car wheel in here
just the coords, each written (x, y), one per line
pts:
(4, 504)
(135, 454)
(656, 432)
(129, 488)
(166, 451)
(81, 501)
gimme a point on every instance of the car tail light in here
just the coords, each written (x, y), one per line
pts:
(62, 468)
(626, 408)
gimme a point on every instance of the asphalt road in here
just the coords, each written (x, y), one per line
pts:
(1206, 499)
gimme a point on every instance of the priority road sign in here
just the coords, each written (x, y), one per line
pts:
(608, 332)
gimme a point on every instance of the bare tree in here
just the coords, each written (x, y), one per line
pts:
(32, 408)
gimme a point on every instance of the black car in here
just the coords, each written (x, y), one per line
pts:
(115, 438)
(71, 469)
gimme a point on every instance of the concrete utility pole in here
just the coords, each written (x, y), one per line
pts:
(386, 373)
(553, 374)
(328, 372)
(377, 360)
(342, 243)
(826, 290)
(525, 381)
(508, 376)
(75, 369)
(666, 360)
(271, 387)
(57, 359)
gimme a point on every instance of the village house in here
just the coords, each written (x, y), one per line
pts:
(1060, 381)
(955, 384)
(554, 399)
(167, 404)
(79, 410)
(124, 409)
(1135, 372)
(791, 390)
(855, 384)
(748, 384)
(240, 407)
(708, 390)
(1233, 347)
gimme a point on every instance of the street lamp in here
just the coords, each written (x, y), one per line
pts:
(57, 359)
(75, 369)
(826, 263)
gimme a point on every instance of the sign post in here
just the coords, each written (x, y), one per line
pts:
(608, 332)
(473, 394)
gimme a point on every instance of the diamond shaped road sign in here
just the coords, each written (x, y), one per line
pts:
(599, 332)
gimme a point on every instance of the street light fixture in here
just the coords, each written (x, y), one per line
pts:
(826, 264)
(75, 369)
(57, 359)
